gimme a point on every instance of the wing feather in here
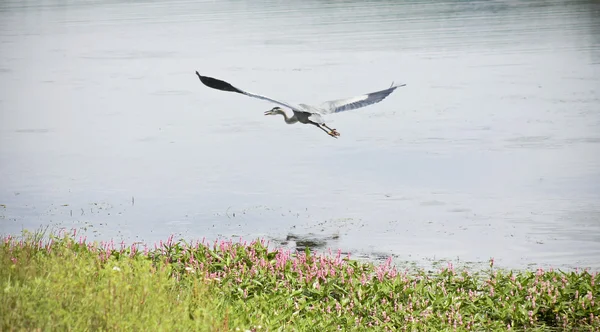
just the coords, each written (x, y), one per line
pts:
(341, 105)
(224, 86)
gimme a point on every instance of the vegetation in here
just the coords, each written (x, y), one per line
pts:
(65, 283)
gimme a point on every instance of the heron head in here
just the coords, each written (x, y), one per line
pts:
(274, 110)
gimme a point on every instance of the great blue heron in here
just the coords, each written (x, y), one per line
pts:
(305, 113)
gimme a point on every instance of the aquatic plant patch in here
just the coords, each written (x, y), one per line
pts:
(63, 282)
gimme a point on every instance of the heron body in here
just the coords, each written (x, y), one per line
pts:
(302, 117)
(303, 113)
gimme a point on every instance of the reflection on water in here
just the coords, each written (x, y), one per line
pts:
(491, 150)
(313, 242)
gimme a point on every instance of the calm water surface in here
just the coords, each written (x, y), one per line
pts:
(491, 150)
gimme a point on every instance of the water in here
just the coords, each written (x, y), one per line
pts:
(491, 150)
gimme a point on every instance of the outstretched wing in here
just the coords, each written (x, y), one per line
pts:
(224, 86)
(340, 105)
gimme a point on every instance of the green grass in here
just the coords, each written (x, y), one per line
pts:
(64, 283)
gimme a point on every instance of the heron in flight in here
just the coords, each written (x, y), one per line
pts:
(305, 113)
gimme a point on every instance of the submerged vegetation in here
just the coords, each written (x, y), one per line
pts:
(65, 283)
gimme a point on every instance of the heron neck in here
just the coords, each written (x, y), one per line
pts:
(288, 120)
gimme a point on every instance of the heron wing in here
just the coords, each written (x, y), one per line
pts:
(224, 86)
(312, 113)
(340, 105)
(316, 118)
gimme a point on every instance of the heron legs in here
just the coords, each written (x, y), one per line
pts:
(332, 132)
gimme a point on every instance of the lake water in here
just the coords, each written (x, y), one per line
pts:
(491, 150)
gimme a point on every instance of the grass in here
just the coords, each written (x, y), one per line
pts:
(64, 283)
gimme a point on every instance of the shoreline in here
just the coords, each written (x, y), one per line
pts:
(245, 285)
